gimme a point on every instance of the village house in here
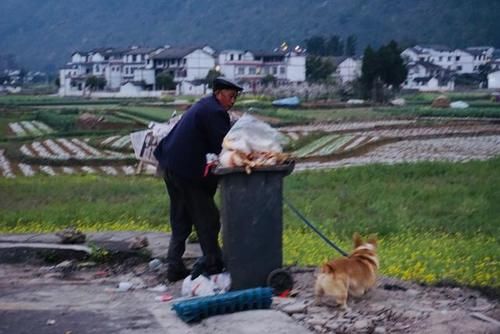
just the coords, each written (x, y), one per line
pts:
(249, 68)
(130, 72)
(494, 80)
(426, 76)
(349, 69)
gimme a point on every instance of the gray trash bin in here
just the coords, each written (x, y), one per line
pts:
(252, 222)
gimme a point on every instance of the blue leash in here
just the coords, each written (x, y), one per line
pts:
(318, 232)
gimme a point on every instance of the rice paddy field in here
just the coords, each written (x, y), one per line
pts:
(427, 185)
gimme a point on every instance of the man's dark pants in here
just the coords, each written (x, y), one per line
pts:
(192, 204)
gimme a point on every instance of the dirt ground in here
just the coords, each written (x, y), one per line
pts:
(393, 306)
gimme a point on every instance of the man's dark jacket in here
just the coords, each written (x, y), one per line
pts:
(200, 131)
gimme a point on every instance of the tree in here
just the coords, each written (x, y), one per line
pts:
(318, 69)
(211, 75)
(369, 70)
(334, 46)
(393, 71)
(315, 45)
(95, 83)
(350, 46)
(383, 67)
(269, 80)
(484, 70)
(165, 81)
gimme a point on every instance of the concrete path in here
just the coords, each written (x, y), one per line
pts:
(31, 302)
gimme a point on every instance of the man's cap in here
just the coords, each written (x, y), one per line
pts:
(223, 83)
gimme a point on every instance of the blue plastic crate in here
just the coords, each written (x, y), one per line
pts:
(242, 300)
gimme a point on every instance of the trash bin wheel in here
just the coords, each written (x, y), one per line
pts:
(280, 281)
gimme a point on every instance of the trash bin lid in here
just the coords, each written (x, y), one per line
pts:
(285, 168)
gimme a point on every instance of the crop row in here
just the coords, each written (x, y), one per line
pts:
(455, 149)
(64, 149)
(30, 128)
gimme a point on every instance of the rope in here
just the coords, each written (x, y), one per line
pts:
(318, 232)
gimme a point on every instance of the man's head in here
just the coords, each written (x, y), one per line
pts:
(226, 92)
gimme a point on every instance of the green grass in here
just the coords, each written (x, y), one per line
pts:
(427, 111)
(435, 221)
(158, 114)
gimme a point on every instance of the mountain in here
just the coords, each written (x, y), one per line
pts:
(43, 33)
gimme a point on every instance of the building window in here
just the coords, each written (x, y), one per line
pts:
(134, 58)
(251, 70)
(184, 61)
(282, 70)
(440, 58)
(231, 57)
(241, 70)
(457, 58)
(459, 68)
(275, 70)
(449, 58)
(475, 68)
(239, 57)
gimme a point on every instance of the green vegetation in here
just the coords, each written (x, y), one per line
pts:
(427, 111)
(158, 114)
(426, 215)
(373, 22)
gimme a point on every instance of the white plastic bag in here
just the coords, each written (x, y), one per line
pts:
(203, 286)
(249, 134)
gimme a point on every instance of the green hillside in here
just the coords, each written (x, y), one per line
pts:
(42, 34)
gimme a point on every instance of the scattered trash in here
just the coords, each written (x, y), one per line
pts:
(139, 243)
(355, 101)
(124, 286)
(202, 286)
(51, 322)
(459, 105)
(164, 298)
(400, 102)
(101, 274)
(154, 264)
(71, 235)
(158, 288)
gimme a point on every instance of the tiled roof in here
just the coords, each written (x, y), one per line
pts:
(175, 53)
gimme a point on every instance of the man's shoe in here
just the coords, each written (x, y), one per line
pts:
(175, 274)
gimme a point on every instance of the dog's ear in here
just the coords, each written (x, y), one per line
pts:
(327, 268)
(356, 238)
(372, 239)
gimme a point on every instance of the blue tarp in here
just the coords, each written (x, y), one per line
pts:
(287, 102)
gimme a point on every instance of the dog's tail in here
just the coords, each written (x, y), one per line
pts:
(327, 268)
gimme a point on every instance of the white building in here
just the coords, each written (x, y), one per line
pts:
(494, 80)
(184, 64)
(249, 68)
(425, 76)
(349, 70)
(139, 67)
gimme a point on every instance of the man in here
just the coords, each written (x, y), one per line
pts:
(182, 157)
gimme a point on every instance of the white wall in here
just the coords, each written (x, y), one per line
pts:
(349, 70)
(146, 75)
(198, 63)
(494, 80)
(296, 68)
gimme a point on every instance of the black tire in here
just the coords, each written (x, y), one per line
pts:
(280, 281)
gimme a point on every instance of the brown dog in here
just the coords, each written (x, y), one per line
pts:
(352, 275)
